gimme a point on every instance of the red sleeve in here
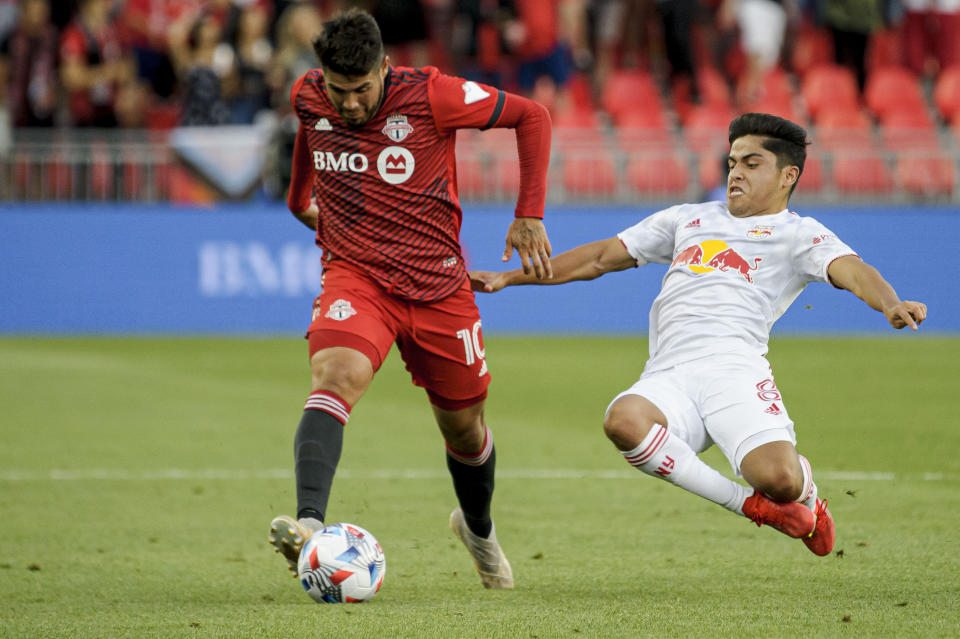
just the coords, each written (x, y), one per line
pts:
(462, 104)
(301, 174)
(532, 122)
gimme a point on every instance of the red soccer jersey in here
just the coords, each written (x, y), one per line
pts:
(386, 190)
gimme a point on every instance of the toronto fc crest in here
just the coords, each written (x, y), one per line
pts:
(397, 128)
(341, 310)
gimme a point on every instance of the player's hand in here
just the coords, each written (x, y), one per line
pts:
(529, 237)
(906, 313)
(487, 281)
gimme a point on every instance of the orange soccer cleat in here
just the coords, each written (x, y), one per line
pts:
(820, 541)
(792, 519)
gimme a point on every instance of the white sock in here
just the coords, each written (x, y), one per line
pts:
(808, 495)
(663, 455)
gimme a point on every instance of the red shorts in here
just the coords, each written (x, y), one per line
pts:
(440, 342)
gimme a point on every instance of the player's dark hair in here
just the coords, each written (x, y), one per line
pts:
(785, 139)
(350, 43)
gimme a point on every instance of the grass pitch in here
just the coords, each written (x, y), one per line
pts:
(138, 477)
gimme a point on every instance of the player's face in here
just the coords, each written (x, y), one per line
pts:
(755, 186)
(356, 97)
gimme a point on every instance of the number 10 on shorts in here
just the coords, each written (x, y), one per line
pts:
(472, 344)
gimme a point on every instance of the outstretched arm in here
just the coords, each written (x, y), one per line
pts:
(865, 282)
(585, 262)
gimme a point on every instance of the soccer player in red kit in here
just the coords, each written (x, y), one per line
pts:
(375, 149)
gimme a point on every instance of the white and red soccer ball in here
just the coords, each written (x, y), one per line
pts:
(341, 563)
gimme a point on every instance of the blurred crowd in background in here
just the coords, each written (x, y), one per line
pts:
(165, 63)
(128, 99)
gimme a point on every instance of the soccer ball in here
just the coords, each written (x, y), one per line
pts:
(341, 563)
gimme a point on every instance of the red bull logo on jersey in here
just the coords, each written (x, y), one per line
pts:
(395, 164)
(760, 232)
(715, 255)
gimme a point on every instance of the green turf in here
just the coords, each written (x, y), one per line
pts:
(137, 478)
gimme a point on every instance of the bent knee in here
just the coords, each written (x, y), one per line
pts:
(629, 419)
(780, 484)
(624, 428)
(340, 370)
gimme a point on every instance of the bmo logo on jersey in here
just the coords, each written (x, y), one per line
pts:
(327, 161)
(395, 164)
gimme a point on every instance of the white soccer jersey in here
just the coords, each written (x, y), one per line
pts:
(729, 279)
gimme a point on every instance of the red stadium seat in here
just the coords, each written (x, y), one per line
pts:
(782, 107)
(710, 170)
(829, 86)
(706, 128)
(861, 172)
(908, 130)
(631, 138)
(506, 169)
(491, 139)
(642, 118)
(571, 118)
(892, 89)
(917, 120)
(578, 137)
(812, 47)
(844, 118)
(946, 93)
(629, 90)
(777, 97)
(591, 175)
(713, 87)
(776, 86)
(501, 167)
(471, 176)
(925, 173)
(843, 127)
(811, 181)
(657, 174)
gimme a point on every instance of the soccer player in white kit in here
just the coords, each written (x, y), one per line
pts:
(735, 267)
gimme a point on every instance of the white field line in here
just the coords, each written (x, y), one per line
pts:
(395, 474)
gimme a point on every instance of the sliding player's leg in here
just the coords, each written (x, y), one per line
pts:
(658, 429)
(747, 419)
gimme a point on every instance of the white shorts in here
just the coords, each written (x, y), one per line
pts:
(732, 402)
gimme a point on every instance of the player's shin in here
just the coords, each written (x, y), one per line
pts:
(668, 457)
(473, 480)
(317, 448)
